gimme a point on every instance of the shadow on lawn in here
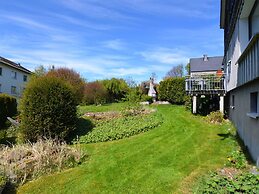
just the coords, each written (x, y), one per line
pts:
(83, 127)
(240, 142)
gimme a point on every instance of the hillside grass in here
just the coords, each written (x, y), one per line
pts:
(167, 159)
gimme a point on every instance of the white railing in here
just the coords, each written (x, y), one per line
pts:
(205, 84)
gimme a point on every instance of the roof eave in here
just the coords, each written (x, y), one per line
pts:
(222, 13)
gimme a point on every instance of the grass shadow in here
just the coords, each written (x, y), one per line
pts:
(226, 136)
(245, 150)
(240, 142)
(83, 127)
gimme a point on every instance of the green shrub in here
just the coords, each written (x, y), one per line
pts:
(48, 108)
(121, 128)
(188, 102)
(172, 90)
(147, 98)
(8, 108)
(237, 159)
(239, 183)
(215, 117)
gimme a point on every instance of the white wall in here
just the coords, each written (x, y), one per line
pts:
(232, 56)
(238, 44)
(7, 81)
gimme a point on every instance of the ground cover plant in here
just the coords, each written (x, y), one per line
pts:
(120, 128)
(167, 159)
(238, 183)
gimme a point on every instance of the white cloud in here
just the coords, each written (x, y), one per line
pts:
(165, 56)
(116, 44)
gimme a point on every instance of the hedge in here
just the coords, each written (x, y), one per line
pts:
(172, 90)
(48, 108)
(8, 108)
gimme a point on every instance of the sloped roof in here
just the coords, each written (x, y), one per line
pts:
(212, 64)
(14, 65)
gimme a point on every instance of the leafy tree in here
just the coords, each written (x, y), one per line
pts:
(40, 71)
(172, 90)
(176, 71)
(48, 108)
(188, 69)
(95, 93)
(73, 78)
(116, 88)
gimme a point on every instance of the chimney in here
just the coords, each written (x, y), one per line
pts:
(205, 57)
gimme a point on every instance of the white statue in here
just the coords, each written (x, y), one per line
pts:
(152, 91)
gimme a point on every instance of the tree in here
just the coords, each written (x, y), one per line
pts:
(40, 71)
(95, 93)
(188, 69)
(73, 78)
(48, 108)
(116, 88)
(172, 90)
(176, 71)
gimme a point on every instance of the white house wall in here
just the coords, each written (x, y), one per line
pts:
(233, 54)
(7, 81)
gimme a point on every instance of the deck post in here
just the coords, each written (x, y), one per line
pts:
(221, 104)
(194, 104)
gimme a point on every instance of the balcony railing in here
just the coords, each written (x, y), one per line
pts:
(205, 84)
(248, 62)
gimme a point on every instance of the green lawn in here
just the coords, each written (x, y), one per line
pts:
(167, 159)
(102, 108)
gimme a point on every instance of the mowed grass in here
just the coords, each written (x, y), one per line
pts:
(102, 108)
(167, 159)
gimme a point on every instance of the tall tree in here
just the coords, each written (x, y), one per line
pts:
(73, 78)
(176, 71)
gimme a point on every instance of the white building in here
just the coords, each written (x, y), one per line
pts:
(13, 77)
(240, 21)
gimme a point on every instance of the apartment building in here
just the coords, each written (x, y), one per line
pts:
(13, 77)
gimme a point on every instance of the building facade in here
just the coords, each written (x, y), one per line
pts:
(240, 21)
(13, 77)
(206, 84)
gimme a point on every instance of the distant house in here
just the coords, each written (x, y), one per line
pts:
(13, 77)
(206, 79)
(240, 21)
(205, 65)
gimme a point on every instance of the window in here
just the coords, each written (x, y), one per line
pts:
(25, 78)
(14, 75)
(254, 20)
(1, 70)
(0, 88)
(13, 90)
(253, 102)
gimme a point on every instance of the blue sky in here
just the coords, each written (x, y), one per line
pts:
(115, 38)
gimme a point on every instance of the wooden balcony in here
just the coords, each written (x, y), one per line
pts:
(205, 84)
(248, 62)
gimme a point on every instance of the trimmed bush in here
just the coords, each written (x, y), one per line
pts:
(172, 90)
(8, 108)
(48, 108)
